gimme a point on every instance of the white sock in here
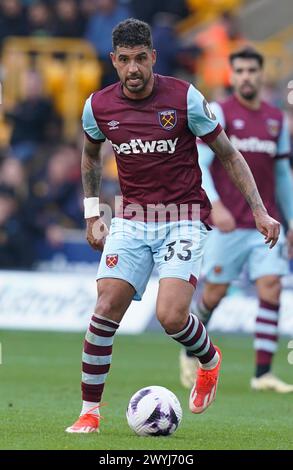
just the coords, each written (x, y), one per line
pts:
(212, 363)
(90, 406)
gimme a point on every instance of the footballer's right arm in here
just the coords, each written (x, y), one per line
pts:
(91, 173)
(91, 168)
(221, 217)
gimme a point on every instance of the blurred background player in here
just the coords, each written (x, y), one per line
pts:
(260, 131)
(160, 111)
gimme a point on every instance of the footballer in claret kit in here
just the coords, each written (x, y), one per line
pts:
(261, 132)
(152, 122)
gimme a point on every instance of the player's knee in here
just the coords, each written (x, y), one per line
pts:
(269, 289)
(105, 307)
(172, 320)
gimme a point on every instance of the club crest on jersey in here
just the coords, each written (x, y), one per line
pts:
(111, 260)
(168, 119)
(273, 127)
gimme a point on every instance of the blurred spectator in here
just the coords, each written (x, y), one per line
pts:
(171, 54)
(13, 174)
(217, 41)
(69, 22)
(16, 250)
(39, 19)
(175, 7)
(166, 43)
(146, 11)
(11, 19)
(55, 195)
(99, 33)
(88, 8)
(30, 118)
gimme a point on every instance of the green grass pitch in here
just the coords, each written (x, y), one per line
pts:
(40, 382)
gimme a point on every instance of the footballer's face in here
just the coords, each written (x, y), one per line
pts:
(247, 78)
(134, 66)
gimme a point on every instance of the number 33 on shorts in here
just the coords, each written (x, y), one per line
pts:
(185, 248)
(182, 257)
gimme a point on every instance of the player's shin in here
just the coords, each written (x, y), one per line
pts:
(204, 314)
(195, 339)
(266, 337)
(96, 361)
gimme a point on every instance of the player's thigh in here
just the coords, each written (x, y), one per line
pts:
(178, 260)
(180, 252)
(173, 303)
(114, 298)
(264, 261)
(126, 257)
(224, 255)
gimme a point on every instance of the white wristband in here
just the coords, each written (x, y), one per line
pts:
(91, 207)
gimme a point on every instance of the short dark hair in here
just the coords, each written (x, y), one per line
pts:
(247, 53)
(132, 32)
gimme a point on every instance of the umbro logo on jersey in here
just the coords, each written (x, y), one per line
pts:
(138, 146)
(113, 125)
(238, 124)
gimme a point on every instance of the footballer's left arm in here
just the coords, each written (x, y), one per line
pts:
(240, 173)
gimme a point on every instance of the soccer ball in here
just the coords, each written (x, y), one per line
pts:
(154, 411)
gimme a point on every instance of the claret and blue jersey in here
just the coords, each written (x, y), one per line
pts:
(154, 140)
(262, 136)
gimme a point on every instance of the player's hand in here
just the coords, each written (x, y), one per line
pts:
(222, 217)
(96, 232)
(268, 226)
(290, 243)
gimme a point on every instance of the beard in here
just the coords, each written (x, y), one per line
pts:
(136, 87)
(249, 94)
